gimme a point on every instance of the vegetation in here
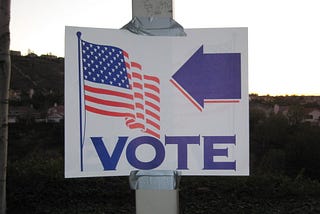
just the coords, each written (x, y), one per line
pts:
(39, 73)
(284, 175)
(284, 156)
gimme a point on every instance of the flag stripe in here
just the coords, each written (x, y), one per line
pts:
(129, 76)
(152, 114)
(127, 65)
(138, 95)
(154, 124)
(153, 133)
(125, 54)
(108, 102)
(132, 124)
(152, 96)
(136, 75)
(136, 126)
(152, 87)
(140, 116)
(139, 105)
(136, 65)
(108, 113)
(137, 85)
(152, 78)
(107, 92)
(152, 105)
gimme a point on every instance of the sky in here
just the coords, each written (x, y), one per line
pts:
(284, 35)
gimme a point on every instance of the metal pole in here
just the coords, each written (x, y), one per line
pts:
(156, 190)
(5, 70)
(152, 8)
(153, 18)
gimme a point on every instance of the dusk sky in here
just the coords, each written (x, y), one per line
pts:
(284, 35)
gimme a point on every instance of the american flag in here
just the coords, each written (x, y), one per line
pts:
(114, 86)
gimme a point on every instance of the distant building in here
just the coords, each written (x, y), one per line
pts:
(15, 53)
(56, 114)
(23, 114)
(312, 99)
(49, 56)
(312, 116)
(32, 55)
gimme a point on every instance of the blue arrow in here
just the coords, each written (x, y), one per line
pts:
(210, 76)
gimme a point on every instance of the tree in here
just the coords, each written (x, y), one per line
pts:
(295, 115)
(5, 71)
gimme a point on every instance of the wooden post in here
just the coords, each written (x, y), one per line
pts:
(5, 71)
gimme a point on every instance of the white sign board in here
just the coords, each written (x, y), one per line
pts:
(156, 103)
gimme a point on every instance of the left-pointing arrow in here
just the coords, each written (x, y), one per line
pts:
(214, 76)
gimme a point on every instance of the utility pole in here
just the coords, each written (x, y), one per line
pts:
(5, 71)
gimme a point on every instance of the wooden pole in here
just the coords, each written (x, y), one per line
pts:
(5, 71)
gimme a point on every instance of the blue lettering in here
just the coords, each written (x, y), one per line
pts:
(210, 152)
(109, 162)
(182, 143)
(155, 143)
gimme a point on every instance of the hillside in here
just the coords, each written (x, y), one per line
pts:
(39, 73)
(284, 157)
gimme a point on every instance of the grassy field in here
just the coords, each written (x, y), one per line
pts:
(36, 184)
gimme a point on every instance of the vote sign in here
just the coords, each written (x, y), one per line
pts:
(156, 102)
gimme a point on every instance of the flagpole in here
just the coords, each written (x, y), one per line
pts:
(80, 100)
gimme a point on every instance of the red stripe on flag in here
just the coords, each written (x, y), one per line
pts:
(139, 105)
(108, 92)
(149, 131)
(152, 78)
(125, 54)
(136, 126)
(152, 114)
(107, 102)
(107, 113)
(152, 123)
(136, 65)
(152, 87)
(138, 95)
(140, 116)
(152, 96)
(152, 105)
(129, 120)
(136, 75)
(137, 85)
(132, 124)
